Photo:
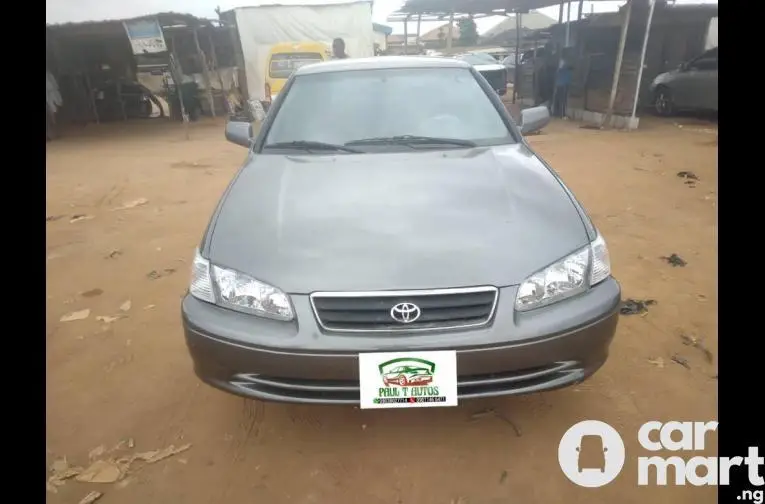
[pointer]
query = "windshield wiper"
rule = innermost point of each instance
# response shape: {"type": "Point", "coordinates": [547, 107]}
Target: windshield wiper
{"type": "Point", "coordinates": [412, 140]}
{"type": "Point", "coordinates": [310, 145]}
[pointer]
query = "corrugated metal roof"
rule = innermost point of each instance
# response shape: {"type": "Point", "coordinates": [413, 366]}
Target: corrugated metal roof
{"type": "Point", "coordinates": [473, 6]}
{"type": "Point", "coordinates": [382, 28]}
{"type": "Point", "coordinates": [165, 18]}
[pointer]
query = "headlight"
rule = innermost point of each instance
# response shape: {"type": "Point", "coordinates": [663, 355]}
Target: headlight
{"type": "Point", "coordinates": [238, 291]}
{"type": "Point", "coordinates": [569, 276]}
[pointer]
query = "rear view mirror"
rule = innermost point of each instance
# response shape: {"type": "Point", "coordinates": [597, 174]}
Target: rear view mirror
{"type": "Point", "coordinates": [239, 132]}
{"type": "Point", "coordinates": [534, 119]}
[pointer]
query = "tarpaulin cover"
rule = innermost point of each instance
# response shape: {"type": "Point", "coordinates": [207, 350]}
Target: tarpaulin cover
{"type": "Point", "coordinates": [262, 27]}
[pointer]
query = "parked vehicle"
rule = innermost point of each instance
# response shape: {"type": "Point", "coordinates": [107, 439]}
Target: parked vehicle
{"type": "Point", "coordinates": [509, 64]}
{"type": "Point", "coordinates": [265, 23]}
{"type": "Point", "coordinates": [286, 57]}
{"type": "Point", "coordinates": [492, 70]}
{"type": "Point", "coordinates": [691, 87]}
{"type": "Point", "coordinates": [420, 190]}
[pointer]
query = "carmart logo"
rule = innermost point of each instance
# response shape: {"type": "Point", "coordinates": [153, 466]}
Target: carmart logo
{"type": "Point", "coordinates": [591, 454]}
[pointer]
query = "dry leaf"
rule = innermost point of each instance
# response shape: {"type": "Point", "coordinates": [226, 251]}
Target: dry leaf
{"type": "Point", "coordinates": [153, 456]}
{"type": "Point", "coordinates": [658, 362]}
{"type": "Point", "coordinates": [126, 305]}
{"type": "Point", "coordinates": [133, 204]}
{"type": "Point", "coordinates": [92, 293]}
{"type": "Point", "coordinates": [59, 466]}
{"type": "Point", "coordinates": [91, 497]}
{"type": "Point", "coordinates": [107, 319]}
{"type": "Point", "coordinates": [101, 471]}
{"type": "Point", "coordinates": [78, 315]}
{"type": "Point", "coordinates": [149, 307]}
{"type": "Point", "coordinates": [79, 217]}
{"type": "Point", "coordinates": [51, 488]}
{"type": "Point", "coordinates": [96, 452]}
{"type": "Point", "coordinates": [62, 471]}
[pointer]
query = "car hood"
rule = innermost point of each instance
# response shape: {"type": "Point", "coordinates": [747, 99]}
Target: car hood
{"type": "Point", "coordinates": [664, 77]}
{"type": "Point", "coordinates": [419, 220]}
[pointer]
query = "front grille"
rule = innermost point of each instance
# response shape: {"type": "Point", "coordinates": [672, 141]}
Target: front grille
{"type": "Point", "coordinates": [427, 310]}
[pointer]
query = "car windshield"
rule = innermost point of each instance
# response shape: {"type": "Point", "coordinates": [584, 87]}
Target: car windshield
{"type": "Point", "coordinates": [283, 64]}
{"type": "Point", "coordinates": [352, 106]}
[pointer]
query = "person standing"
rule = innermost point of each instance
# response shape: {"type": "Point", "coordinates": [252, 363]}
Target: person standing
{"type": "Point", "coordinates": [338, 49]}
{"type": "Point", "coordinates": [53, 102]}
{"type": "Point", "coordinates": [562, 84]}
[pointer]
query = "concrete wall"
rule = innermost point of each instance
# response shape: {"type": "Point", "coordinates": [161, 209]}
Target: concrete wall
{"type": "Point", "coordinates": [381, 40]}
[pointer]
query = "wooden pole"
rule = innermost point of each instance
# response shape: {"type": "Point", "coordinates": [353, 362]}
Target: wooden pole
{"type": "Point", "coordinates": [642, 59]}
{"type": "Point", "coordinates": [406, 35]}
{"type": "Point", "coordinates": [205, 70]}
{"type": "Point", "coordinates": [419, 20]}
{"type": "Point", "coordinates": [534, 78]}
{"type": "Point", "coordinates": [517, 52]}
{"type": "Point", "coordinates": [236, 46]}
{"type": "Point", "coordinates": [557, 64]}
{"type": "Point", "coordinates": [91, 97]}
{"type": "Point", "coordinates": [214, 57]}
{"type": "Point", "coordinates": [568, 25]}
{"type": "Point", "coordinates": [618, 65]}
{"type": "Point", "coordinates": [177, 73]}
{"type": "Point", "coordinates": [450, 35]}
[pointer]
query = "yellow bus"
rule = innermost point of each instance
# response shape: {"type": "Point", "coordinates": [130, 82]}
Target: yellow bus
{"type": "Point", "coordinates": [286, 57]}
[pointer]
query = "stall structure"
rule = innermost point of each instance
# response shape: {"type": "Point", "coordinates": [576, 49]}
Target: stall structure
{"type": "Point", "coordinates": [454, 10]}
{"type": "Point", "coordinates": [617, 55]}
{"type": "Point", "coordinates": [615, 61]}
{"type": "Point", "coordinates": [116, 70]}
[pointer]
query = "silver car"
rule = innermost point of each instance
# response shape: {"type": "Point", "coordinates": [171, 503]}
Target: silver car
{"type": "Point", "coordinates": [691, 87]}
{"type": "Point", "coordinates": [390, 204]}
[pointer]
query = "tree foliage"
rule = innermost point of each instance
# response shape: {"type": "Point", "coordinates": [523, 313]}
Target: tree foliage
{"type": "Point", "coordinates": [468, 31]}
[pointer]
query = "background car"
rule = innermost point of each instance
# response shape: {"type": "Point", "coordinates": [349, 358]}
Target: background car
{"type": "Point", "coordinates": [509, 63]}
{"type": "Point", "coordinates": [691, 87]}
{"type": "Point", "coordinates": [492, 70]}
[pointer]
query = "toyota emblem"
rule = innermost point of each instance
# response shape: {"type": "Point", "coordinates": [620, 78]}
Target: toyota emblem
{"type": "Point", "coordinates": [405, 313]}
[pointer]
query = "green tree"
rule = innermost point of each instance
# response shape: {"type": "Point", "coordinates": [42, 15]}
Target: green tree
{"type": "Point", "coordinates": [468, 31]}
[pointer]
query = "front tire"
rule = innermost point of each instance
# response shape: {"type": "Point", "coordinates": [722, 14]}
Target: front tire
{"type": "Point", "coordinates": [663, 103]}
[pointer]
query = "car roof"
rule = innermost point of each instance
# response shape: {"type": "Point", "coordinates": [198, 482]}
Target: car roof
{"type": "Point", "coordinates": [380, 63]}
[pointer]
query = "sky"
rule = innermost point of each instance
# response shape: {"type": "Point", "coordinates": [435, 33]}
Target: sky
{"type": "Point", "coordinates": [65, 11]}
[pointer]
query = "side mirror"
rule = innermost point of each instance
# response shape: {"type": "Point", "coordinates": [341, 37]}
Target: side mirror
{"type": "Point", "coordinates": [534, 119]}
{"type": "Point", "coordinates": [239, 132]}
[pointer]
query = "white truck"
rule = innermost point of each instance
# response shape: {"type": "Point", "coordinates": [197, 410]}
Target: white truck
{"type": "Point", "coordinates": [270, 22]}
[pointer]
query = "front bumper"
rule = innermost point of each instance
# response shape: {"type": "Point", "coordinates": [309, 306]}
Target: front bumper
{"type": "Point", "coordinates": [518, 353]}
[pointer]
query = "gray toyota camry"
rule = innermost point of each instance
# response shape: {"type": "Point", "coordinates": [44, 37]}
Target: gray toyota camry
{"type": "Point", "coordinates": [392, 241]}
